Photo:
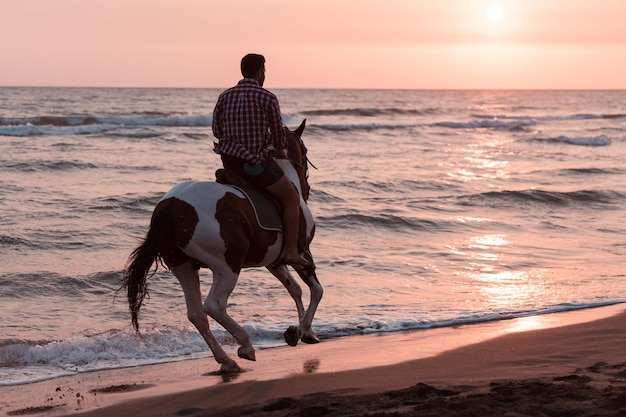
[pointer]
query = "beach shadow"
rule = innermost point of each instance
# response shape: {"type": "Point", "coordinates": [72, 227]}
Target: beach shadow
{"type": "Point", "coordinates": [311, 366]}
{"type": "Point", "coordinates": [189, 411]}
{"type": "Point", "coordinates": [226, 376]}
{"type": "Point", "coordinates": [120, 388]}
{"type": "Point", "coordinates": [33, 410]}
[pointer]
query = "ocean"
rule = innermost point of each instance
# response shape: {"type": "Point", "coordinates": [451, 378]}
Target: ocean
{"type": "Point", "coordinates": [433, 209]}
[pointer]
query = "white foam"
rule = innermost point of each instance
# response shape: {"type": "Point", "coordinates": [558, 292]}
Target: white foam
{"type": "Point", "coordinates": [602, 140]}
{"type": "Point", "coordinates": [587, 141]}
{"type": "Point", "coordinates": [489, 123]}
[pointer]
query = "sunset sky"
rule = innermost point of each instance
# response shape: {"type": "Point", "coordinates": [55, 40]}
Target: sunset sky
{"type": "Point", "coordinates": [417, 44]}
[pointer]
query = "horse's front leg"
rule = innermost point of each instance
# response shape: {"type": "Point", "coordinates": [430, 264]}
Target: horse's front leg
{"type": "Point", "coordinates": [291, 285]}
{"type": "Point", "coordinates": [190, 282]}
{"type": "Point", "coordinates": [224, 281]}
{"type": "Point", "coordinates": [307, 274]}
{"type": "Point", "coordinates": [305, 331]}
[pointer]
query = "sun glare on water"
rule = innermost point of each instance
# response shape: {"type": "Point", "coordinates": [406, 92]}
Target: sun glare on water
{"type": "Point", "coordinates": [494, 12]}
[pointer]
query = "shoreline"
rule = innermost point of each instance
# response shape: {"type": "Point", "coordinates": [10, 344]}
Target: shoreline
{"type": "Point", "coordinates": [475, 356]}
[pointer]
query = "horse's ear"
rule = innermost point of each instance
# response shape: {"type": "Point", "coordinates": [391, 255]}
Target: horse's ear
{"type": "Point", "coordinates": [300, 128]}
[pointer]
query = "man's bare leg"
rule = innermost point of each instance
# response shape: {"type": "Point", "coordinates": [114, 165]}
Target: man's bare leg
{"type": "Point", "coordinates": [289, 199]}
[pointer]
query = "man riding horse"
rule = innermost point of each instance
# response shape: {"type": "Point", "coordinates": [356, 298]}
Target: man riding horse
{"type": "Point", "coordinates": [204, 224]}
{"type": "Point", "coordinates": [246, 120]}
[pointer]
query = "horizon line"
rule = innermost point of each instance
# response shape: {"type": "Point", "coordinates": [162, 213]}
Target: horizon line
{"type": "Point", "coordinates": [326, 88]}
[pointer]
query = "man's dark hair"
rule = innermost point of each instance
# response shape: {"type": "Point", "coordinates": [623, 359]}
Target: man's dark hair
{"type": "Point", "coordinates": [251, 64]}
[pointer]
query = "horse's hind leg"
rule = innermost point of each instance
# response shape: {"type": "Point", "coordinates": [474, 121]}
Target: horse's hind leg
{"type": "Point", "coordinates": [190, 282]}
{"type": "Point", "coordinates": [224, 281]}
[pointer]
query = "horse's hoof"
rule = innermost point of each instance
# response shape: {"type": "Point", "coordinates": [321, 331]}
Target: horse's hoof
{"type": "Point", "coordinates": [291, 336]}
{"type": "Point", "coordinates": [230, 367]}
{"type": "Point", "coordinates": [246, 353]}
{"type": "Point", "coordinates": [311, 340]}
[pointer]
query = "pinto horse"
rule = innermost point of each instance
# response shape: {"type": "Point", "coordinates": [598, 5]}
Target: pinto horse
{"type": "Point", "coordinates": [212, 225]}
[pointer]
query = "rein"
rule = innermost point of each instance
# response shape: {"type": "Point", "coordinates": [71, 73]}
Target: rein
{"type": "Point", "coordinates": [304, 166]}
{"type": "Point", "coordinates": [295, 146]}
{"type": "Point", "coordinates": [307, 161]}
{"type": "Point", "coordinates": [304, 151]}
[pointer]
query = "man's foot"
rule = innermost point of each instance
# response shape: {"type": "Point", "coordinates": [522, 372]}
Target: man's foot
{"type": "Point", "coordinates": [297, 260]}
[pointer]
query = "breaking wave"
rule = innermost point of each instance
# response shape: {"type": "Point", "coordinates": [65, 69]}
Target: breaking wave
{"type": "Point", "coordinates": [84, 125]}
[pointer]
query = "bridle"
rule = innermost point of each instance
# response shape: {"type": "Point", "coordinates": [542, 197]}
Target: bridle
{"type": "Point", "coordinates": [303, 165]}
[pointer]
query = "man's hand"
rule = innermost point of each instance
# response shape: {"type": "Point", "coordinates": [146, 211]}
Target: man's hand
{"type": "Point", "coordinates": [280, 154]}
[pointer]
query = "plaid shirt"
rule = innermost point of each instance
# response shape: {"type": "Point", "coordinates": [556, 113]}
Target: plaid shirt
{"type": "Point", "coordinates": [246, 120]}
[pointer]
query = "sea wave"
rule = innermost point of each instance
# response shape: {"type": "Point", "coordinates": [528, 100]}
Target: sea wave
{"type": "Point", "coordinates": [138, 125]}
{"type": "Point", "coordinates": [495, 123]}
{"type": "Point", "coordinates": [83, 125]}
{"type": "Point", "coordinates": [371, 112]}
{"type": "Point", "coordinates": [601, 140]}
{"type": "Point", "coordinates": [62, 165]}
{"type": "Point", "coordinates": [135, 203]}
{"type": "Point", "coordinates": [590, 171]}
{"type": "Point", "coordinates": [43, 165]}
{"type": "Point", "coordinates": [24, 361]}
{"type": "Point", "coordinates": [591, 198]}
{"type": "Point", "coordinates": [517, 122]}
{"type": "Point", "coordinates": [386, 221]}
{"type": "Point", "coordinates": [6, 240]}
{"type": "Point", "coordinates": [549, 118]}
{"type": "Point", "coordinates": [339, 127]}
{"type": "Point", "coordinates": [49, 284]}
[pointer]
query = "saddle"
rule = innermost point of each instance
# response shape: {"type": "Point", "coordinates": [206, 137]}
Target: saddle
{"type": "Point", "coordinates": [266, 209]}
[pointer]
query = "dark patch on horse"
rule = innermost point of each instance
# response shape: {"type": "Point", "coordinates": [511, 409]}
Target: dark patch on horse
{"type": "Point", "coordinates": [181, 220]}
{"type": "Point", "coordinates": [246, 243]}
{"type": "Point", "coordinates": [303, 240]}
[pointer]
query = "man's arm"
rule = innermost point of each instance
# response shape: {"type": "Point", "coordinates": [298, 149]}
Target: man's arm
{"type": "Point", "coordinates": [216, 126]}
{"type": "Point", "coordinates": [279, 140]}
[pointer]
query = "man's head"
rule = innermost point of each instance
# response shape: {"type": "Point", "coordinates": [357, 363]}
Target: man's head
{"type": "Point", "coordinates": [253, 66]}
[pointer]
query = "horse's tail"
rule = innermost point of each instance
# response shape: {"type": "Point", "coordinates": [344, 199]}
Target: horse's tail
{"type": "Point", "coordinates": [140, 261]}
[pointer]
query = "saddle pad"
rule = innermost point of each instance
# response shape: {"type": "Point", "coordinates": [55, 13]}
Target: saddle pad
{"type": "Point", "coordinates": [265, 212]}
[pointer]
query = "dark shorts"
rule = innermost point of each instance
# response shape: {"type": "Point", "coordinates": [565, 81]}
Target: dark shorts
{"type": "Point", "coordinates": [262, 175]}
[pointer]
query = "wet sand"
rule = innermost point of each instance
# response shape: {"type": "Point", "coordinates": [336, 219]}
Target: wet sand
{"type": "Point", "coordinates": [558, 364]}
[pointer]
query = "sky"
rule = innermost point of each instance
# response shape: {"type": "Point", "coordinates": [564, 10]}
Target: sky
{"type": "Point", "coordinates": [399, 44]}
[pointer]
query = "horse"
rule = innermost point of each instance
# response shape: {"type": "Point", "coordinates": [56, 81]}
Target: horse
{"type": "Point", "coordinates": [212, 225]}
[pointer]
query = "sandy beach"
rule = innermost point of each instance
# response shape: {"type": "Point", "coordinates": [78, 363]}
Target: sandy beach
{"type": "Point", "coordinates": [557, 364]}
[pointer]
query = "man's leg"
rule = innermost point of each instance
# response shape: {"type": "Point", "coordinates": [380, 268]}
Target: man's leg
{"type": "Point", "coordinates": [284, 191]}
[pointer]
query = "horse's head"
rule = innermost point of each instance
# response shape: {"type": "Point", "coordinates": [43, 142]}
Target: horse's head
{"type": "Point", "coordinates": [296, 151]}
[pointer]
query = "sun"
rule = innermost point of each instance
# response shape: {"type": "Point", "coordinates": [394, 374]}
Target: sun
{"type": "Point", "coordinates": [494, 12]}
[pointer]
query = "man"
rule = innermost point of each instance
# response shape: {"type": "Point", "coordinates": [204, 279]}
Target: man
{"type": "Point", "coordinates": [246, 120]}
